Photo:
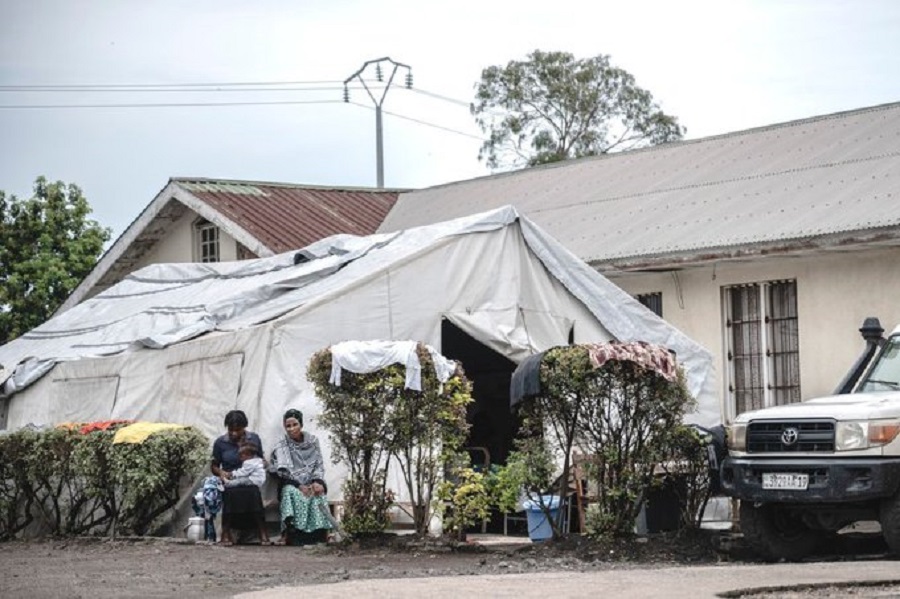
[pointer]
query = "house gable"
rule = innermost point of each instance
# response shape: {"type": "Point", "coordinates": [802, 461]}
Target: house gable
{"type": "Point", "coordinates": [255, 219]}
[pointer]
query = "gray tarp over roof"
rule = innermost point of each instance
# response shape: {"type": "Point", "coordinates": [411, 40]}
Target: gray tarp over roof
{"type": "Point", "coordinates": [166, 305]}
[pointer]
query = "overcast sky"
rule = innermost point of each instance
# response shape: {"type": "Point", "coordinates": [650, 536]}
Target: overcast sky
{"type": "Point", "coordinates": [718, 65]}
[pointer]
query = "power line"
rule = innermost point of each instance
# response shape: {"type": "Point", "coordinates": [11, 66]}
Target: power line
{"type": "Point", "coordinates": [244, 86]}
{"type": "Point", "coordinates": [91, 86]}
{"type": "Point", "coordinates": [168, 105]}
{"type": "Point", "coordinates": [178, 90]}
{"type": "Point", "coordinates": [421, 122]}
{"type": "Point", "coordinates": [439, 97]}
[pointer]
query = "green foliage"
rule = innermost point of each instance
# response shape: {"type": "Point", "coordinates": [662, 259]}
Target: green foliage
{"type": "Point", "coordinates": [469, 498]}
{"type": "Point", "coordinates": [47, 246]}
{"type": "Point", "coordinates": [552, 106]}
{"type": "Point", "coordinates": [627, 424]}
{"type": "Point", "coordinates": [620, 415]}
{"type": "Point", "coordinates": [373, 419]}
{"type": "Point", "coordinates": [367, 505]}
{"type": "Point", "coordinates": [148, 475]}
{"type": "Point", "coordinates": [77, 483]}
{"type": "Point", "coordinates": [16, 489]}
{"type": "Point", "coordinates": [529, 470]}
{"type": "Point", "coordinates": [686, 466]}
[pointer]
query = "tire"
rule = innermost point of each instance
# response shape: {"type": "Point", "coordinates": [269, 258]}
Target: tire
{"type": "Point", "coordinates": [775, 533]}
{"type": "Point", "coordinates": [889, 518]}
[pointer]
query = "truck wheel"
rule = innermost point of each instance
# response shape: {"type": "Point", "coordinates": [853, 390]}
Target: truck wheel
{"type": "Point", "coordinates": [775, 533]}
{"type": "Point", "coordinates": [890, 522]}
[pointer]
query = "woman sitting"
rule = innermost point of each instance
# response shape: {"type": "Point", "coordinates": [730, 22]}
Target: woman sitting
{"type": "Point", "coordinates": [297, 462]}
{"type": "Point", "coordinates": [242, 506]}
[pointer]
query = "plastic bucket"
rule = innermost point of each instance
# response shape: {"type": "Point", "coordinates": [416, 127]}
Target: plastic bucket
{"type": "Point", "coordinates": [539, 528]}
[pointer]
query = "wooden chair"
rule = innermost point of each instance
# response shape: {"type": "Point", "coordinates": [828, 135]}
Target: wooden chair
{"type": "Point", "coordinates": [583, 491]}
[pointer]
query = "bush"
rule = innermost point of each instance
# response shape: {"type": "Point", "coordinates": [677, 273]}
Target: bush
{"type": "Point", "coordinates": [466, 500]}
{"type": "Point", "coordinates": [687, 465]}
{"type": "Point", "coordinates": [619, 414]}
{"type": "Point", "coordinates": [75, 484]}
{"type": "Point", "coordinates": [627, 424]}
{"type": "Point", "coordinates": [373, 419]}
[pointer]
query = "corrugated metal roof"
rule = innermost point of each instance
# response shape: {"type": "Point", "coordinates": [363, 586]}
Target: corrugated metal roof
{"type": "Point", "coordinates": [792, 182]}
{"type": "Point", "coordinates": [285, 217]}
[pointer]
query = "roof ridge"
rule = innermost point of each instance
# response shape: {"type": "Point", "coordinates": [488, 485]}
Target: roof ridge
{"type": "Point", "coordinates": [212, 180]}
{"type": "Point", "coordinates": [672, 144]}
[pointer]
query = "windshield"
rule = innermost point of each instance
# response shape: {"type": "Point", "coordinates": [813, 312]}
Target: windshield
{"type": "Point", "coordinates": [885, 373]}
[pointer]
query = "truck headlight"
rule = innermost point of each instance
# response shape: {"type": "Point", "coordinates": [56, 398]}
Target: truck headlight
{"type": "Point", "coordinates": [862, 435]}
{"type": "Point", "coordinates": [737, 437]}
{"type": "Point", "coordinates": [850, 435]}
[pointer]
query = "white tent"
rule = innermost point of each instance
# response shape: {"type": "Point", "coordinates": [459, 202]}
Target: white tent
{"type": "Point", "coordinates": [188, 342]}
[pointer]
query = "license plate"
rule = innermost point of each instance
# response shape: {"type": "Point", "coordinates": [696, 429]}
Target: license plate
{"type": "Point", "coordinates": [785, 480]}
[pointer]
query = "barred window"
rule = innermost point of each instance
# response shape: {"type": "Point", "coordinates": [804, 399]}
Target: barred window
{"type": "Point", "coordinates": [653, 302]}
{"type": "Point", "coordinates": [206, 237]}
{"type": "Point", "coordinates": [763, 350]}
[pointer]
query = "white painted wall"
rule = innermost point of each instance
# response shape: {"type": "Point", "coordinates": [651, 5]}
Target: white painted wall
{"type": "Point", "coordinates": [178, 245]}
{"type": "Point", "coordinates": [836, 291]}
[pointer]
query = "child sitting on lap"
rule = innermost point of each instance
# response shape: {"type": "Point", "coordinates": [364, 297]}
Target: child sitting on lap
{"type": "Point", "coordinates": [251, 472]}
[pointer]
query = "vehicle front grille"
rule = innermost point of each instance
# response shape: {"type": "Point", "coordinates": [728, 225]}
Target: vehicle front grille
{"type": "Point", "coordinates": [770, 436]}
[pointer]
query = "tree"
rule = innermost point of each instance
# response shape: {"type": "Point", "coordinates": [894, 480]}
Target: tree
{"type": "Point", "coordinates": [48, 246]}
{"type": "Point", "coordinates": [552, 106]}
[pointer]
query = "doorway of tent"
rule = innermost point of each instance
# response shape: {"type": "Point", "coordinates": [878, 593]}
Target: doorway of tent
{"type": "Point", "coordinates": [492, 425]}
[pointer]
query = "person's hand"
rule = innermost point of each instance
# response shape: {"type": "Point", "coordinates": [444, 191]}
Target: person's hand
{"type": "Point", "coordinates": [305, 490]}
{"type": "Point", "coordinates": [317, 489]}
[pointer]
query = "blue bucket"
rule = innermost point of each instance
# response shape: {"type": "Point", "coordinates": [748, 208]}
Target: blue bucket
{"type": "Point", "coordinates": [539, 528]}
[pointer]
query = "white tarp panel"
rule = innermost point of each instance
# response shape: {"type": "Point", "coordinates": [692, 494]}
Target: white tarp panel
{"type": "Point", "coordinates": [201, 387]}
{"type": "Point", "coordinates": [84, 399]}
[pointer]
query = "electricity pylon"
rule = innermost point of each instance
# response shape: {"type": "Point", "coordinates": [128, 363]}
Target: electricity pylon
{"type": "Point", "coordinates": [379, 76]}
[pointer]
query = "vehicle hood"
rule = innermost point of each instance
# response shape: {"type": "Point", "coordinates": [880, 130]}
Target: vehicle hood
{"type": "Point", "coordinates": [855, 406]}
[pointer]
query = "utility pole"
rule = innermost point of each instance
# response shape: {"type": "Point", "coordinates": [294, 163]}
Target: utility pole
{"type": "Point", "coordinates": [379, 76]}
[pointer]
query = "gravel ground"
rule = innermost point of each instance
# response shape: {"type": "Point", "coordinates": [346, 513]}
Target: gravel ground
{"type": "Point", "coordinates": [104, 569]}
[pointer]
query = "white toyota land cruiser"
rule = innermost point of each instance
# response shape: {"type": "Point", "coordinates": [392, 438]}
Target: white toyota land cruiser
{"type": "Point", "coordinates": [804, 471]}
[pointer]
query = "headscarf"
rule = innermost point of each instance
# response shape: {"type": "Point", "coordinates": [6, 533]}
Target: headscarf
{"type": "Point", "coordinates": [300, 460]}
{"type": "Point", "coordinates": [293, 413]}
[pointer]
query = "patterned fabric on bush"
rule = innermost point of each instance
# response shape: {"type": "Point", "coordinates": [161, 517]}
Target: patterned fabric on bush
{"type": "Point", "coordinates": [102, 425]}
{"type": "Point", "coordinates": [652, 357]}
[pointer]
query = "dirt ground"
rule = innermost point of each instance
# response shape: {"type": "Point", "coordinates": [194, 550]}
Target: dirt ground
{"type": "Point", "coordinates": [148, 567]}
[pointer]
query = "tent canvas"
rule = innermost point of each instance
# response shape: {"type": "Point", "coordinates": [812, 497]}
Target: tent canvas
{"type": "Point", "coordinates": [188, 342]}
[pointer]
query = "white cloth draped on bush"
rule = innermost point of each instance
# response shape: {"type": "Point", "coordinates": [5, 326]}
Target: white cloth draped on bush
{"type": "Point", "coordinates": [369, 356]}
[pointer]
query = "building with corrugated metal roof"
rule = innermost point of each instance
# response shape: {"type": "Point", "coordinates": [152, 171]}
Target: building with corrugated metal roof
{"type": "Point", "coordinates": [213, 220]}
{"type": "Point", "coordinates": [769, 246]}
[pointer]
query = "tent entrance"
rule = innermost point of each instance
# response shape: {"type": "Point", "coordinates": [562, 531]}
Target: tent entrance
{"type": "Point", "coordinates": [492, 425]}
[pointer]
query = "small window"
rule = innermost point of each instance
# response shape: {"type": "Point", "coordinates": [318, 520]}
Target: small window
{"type": "Point", "coordinates": [245, 254]}
{"type": "Point", "coordinates": [206, 235]}
{"type": "Point", "coordinates": [653, 302]}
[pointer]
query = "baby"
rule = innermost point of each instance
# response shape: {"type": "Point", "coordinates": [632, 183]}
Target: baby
{"type": "Point", "coordinates": [251, 472]}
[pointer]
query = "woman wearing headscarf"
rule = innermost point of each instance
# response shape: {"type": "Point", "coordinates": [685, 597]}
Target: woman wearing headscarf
{"type": "Point", "coordinates": [297, 462]}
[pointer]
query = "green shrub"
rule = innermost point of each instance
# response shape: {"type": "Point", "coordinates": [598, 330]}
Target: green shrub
{"type": "Point", "coordinates": [76, 484]}
{"type": "Point", "coordinates": [686, 465]}
{"type": "Point", "coordinates": [16, 491]}
{"type": "Point", "coordinates": [619, 415]}
{"type": "Point", "coordinates": [373, 419]}
{"type": "Point", "coordinates": [148, 475]}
